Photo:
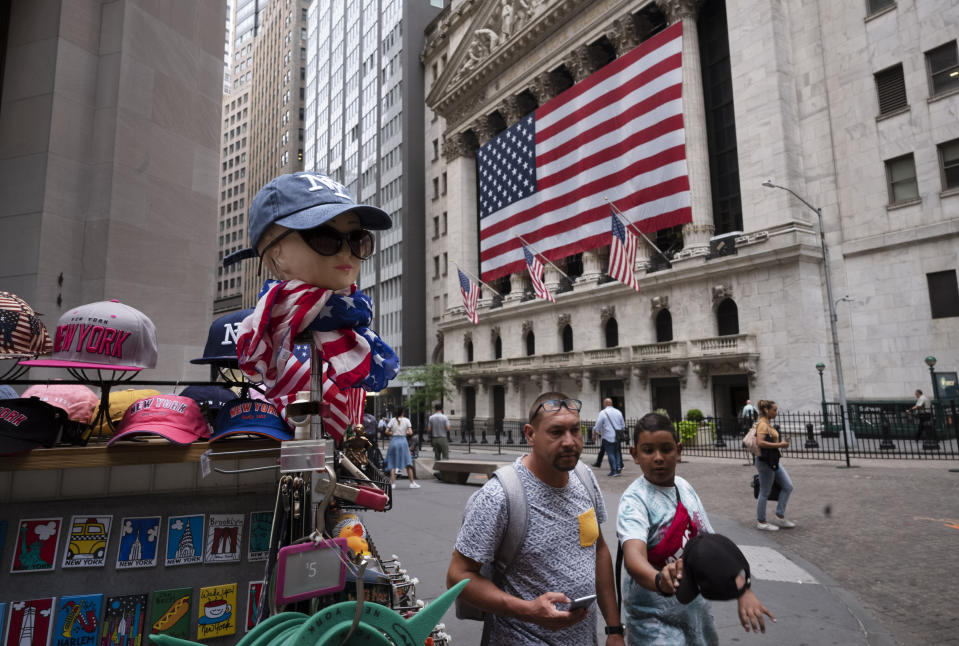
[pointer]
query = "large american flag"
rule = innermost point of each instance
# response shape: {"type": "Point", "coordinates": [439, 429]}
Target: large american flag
{"type": "Point", "coordinates": [470, 291]}
{"type": "Point", "coordinates": [618, 134]}
{"type": "Point", "coordinates": [622, 254]}
{"type": "Point", "coordinates": [535, 267]}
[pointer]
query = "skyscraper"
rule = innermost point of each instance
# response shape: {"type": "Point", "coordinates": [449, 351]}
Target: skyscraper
{"type": "Point", "coordinates": [363, 127]}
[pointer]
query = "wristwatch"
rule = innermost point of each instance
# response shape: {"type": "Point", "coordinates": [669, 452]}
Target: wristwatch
{"type": "Point", "coordinates": [614, 630]}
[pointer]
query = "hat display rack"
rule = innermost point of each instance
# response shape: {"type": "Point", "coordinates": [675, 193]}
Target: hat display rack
{"type": "Point", "coordinates": [309, 506]}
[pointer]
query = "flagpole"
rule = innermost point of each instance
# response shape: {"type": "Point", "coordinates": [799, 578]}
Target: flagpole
{"type": "Point", "coordinates": [632, 226]}
{"type": "Point", "coordinates": [544, 258]}
{"type": "Point", "coordinates": [478, 280]}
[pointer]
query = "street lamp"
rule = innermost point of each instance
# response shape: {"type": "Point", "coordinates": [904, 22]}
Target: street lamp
{"type": "Point", "coordinates": [931, 362]}
{"type": "Point", "coordinates": [822, 392]}
{"type": "Point", "coordinates": [931, 443]}
{"type": "Point", "coordinates": [847, 434]}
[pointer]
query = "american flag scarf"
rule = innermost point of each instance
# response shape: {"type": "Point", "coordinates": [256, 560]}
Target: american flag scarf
{"type": "Point", "coordinates": [354, 356]}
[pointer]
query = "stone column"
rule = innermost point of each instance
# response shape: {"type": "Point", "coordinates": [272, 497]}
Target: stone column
{"type": "Point", "coordinates": [515, 287]}
{"type": "Point", "coordinates": [550, 279]}
{"type": "Point", "coordinates": [624, 34]}
{"type": "Point", "coordinates": [459, 150]}
{"type": "Point", "coordinates": [697, 233]}
{"type": "Point", "coordinates": [592, 267]}
{"type": "Point", "coordinates": [582, 61]}
{"type": "Point", "coordinates": [545, 87]}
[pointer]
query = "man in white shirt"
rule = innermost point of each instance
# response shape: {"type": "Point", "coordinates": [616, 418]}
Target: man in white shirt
{"type": "Point", "coordinates": [923, 410]}
{"type": "Point", "coordinates": [609, 423]}
{"type": "Point", "coordinates": [439, 433]}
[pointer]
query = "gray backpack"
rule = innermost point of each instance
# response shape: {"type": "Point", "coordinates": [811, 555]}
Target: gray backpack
{"type": "Point", "coordinates": [516, 525]}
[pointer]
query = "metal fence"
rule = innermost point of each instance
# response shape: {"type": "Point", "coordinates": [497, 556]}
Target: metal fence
{"type": "Point", "coordinates": [875, 432]}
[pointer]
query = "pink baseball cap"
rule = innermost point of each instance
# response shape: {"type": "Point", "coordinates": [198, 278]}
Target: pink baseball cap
{"type": "Point", "coordinates": [106, 335]}
{"type": "Point", "coordinates": [173, 417]}
{"type": "Point", "coordinates": [79, 401]}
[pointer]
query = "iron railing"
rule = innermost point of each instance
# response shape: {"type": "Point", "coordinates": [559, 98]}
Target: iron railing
{"type": "Point", "coordinates": [876, 432]}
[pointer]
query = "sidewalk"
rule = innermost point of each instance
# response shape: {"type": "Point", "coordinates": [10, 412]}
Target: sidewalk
{"type": "Point", "coordinates": [855, 576]}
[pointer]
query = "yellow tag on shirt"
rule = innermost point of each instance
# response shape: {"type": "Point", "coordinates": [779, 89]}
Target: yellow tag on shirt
{"type": "Point", "coordinates": [588, 528]}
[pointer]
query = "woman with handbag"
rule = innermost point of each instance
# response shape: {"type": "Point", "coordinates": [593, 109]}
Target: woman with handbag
{"type": "Point", "coordinates": [770, 470]}
{"type": "Point", "coordinates": [398, 453]}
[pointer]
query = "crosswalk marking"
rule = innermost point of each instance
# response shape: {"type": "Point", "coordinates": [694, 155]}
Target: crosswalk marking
{"type": "Point", "coordinates": [767, 564]}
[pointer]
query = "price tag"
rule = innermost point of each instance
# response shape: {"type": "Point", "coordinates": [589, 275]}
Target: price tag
{"type": "Point", "coordinates": [307, 570]}
{"type": "Point", "coordinates": [205, 468]}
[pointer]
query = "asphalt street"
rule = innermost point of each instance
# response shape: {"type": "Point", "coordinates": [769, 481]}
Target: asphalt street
{"type": "Point", "coordinates": [873, 560]}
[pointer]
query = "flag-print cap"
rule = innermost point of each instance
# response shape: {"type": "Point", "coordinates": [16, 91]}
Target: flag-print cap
{"type": "Point", "coordinates": [106, 335]}
{"type": "Point", "coordinates": [26, 424]}
{"type": "Point", "coordinates": [302, 201]}
{"type": "Point", "coordinates": [220, 346]}
{"type": "Point", "coordinates": [22, 333]}
{"type": "Point", "coordinates": [172, 417]}
{"type": "Point", "coordinates": [250, 417]}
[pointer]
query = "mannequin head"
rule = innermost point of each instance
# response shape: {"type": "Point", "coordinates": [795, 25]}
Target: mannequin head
{"type": "Point", "coordinates": [288, 256]}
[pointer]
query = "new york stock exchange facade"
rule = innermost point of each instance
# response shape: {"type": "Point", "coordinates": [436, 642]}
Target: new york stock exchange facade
{"type": "Point", "coordinates": [738, 308]}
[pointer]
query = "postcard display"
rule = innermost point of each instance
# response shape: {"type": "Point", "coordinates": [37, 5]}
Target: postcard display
{"type": "Point", "coordinates": [110, 571]}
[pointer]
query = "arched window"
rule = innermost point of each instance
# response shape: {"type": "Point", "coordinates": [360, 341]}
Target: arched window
{"type": "Point", "coordinates": [727, 317]}
{"type": "Point", "coordinates": [568, 338]}
{"type": "Point", "coordinates": [612, 333]}
{"type": "Point", "coordinates": [469, 351]}
{"type": "Point", "coordinates": [498, 348]}
{"type": "Point", "coordinates": [664, 326]}
{"type": "Point", "coordinates": [530, 344]}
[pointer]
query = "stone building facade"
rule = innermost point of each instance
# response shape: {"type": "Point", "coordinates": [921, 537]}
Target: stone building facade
{"type": "Point", "coordinates": [851, 105]}
{"type": "Point", "coordinates": [109, 141]}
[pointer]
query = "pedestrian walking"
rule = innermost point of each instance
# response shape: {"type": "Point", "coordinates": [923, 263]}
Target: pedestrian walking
{"type": "Point", "coordinates": [439, 433]}
{"type": "Point", "coordinates": [560, 555]}
{"type": "Point", "coordinates": [399, 429]}
{"type": "Point", "coordinates": [660, 515]}
{"type": "Point", "coordinates": [610, 424]}
{"type": "Point", "coordinates": [923, 411]}
{"type": "Point", "coordinates": [770, 469]}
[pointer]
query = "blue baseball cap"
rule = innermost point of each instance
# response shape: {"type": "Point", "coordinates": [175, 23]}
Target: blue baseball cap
{"type": "Point", "coordinates": [221, 340]}
{"type": "Point", "coordinates": [250, 417]}
{"type": "Point", "coordinates": [303, 201]}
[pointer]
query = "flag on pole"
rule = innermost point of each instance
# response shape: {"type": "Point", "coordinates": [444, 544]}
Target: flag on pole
{"type": "Point", "coordinates": [622, 254]}
{"type": "Point", "coordinates": [470, 291]}
{"type": "Point", "coordinates": [357, 400]}
{"type": "Point", "coordinates": [535, 268]}
{"type": "Point", "coordinates": [616, 134]}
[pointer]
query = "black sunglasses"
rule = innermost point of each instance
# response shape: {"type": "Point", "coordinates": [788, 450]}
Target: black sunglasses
{"type": "Point", "coordinates": [553, 405]}
{"type": "Point", "coordinates": [327, 241]}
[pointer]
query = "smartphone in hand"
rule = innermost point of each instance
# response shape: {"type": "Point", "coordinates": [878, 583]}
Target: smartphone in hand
{"type": "Point", "coordinates": [582, 602]}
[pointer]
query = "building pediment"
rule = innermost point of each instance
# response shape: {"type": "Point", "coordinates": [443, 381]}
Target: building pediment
{"type": "Point", "coordinates": [497, 34]}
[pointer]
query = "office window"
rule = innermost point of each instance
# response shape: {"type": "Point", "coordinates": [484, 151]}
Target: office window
{"type": "Point", "coordinates": [891, 89]}
{"type": "Point", "coordinates": [943, 65]}
{"type": "Point", "coordinates": [436, 149]}
{"type": "Point", "coordinates": [436, 187]}
{"type": "Point", "coordinates": [901, 179]}
{"type": "Point", "coordinates": [727, 318]}
{"type": "Point", "coordinates": [949, 164]}
{"type": "Point", "coordinates": [436, 227]}
{"type": "Point", "coordinates": [664, 326]}
{"type": "Point", "coordinates": [943, 294]}
{"type": "Point", "coordinates": [436, 267]}
{"type": "Point", "coordinates": [567, 335]}
{"type": "Point", "coordinates": [444, 183]}
{"type": "Point", "coordinates": [875, 6]}
{"type": "Point", "coordinates": [445, 263]}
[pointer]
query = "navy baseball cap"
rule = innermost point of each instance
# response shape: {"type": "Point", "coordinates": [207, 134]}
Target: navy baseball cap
{"type": "Point", "coordinates": [221, 340]}
{"type": "Point", "coordinates": [711, 563]}
{"type": "Point", "coordinates": [26, 424]}
{"type": "Point", "coordinates": [250, 417]}
{"type": "Point", "coordinates": [303, 201]}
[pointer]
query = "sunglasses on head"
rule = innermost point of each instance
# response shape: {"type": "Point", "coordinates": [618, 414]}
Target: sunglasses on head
{"type": "Point", "coordinates": [553, 405]}
{"type": "Point", "coordinates": [327, 241]}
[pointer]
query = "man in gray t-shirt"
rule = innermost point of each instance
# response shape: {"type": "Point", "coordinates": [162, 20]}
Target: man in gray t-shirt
{"type": "Point", "coordinates": [563, 556]}
{"type": "Point", "coordinates": [439, 431]}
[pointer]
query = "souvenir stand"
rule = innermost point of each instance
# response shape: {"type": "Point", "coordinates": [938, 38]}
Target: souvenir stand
{"type": "Point", "coordinates": [223, 539]}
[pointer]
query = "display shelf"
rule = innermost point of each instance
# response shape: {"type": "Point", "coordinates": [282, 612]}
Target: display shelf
{"type": "Point", "coordinates": [146, 452]}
